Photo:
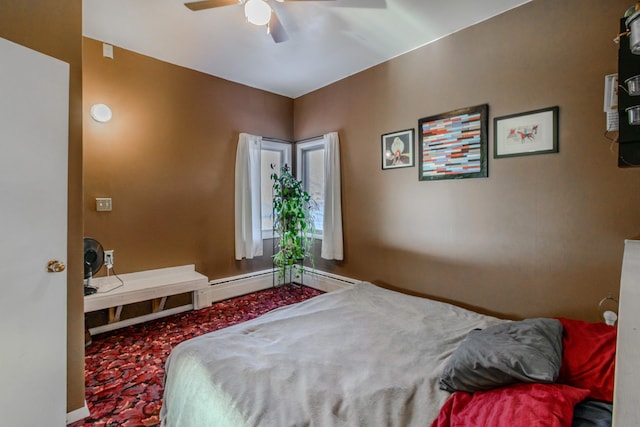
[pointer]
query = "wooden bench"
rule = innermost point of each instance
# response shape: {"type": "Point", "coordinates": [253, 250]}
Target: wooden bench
{"type": "Point", "coordinates": [153, 285]}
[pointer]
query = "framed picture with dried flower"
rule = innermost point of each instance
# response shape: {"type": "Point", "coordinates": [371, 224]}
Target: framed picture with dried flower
{"type": "Point", "coordinates": [397, 149]}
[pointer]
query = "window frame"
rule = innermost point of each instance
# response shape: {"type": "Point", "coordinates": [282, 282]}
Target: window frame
{"type": "Point", "coordinates": [302, 147]}
{"type": "Point", "coordinates": [286, 153]}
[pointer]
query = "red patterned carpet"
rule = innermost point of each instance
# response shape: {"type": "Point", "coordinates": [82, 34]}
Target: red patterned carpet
{"type": "Point", "coordinates": [124, 368]}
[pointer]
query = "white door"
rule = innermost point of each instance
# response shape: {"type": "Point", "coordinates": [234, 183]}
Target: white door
{"type": "Point", "coordinates": [34, 106]}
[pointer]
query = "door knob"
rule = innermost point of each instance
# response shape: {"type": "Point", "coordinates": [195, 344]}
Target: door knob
{"type": "Point", "coordinates": [55, 266]}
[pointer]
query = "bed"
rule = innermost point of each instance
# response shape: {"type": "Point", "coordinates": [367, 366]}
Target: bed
{"type": "Point", "coordinates": [368, 356]}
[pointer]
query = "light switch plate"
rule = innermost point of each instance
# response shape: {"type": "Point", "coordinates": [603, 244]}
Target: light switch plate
{"type": "Point", "coordinates": [103, 204]}
{"type": "Point", "coordinates": [107, 50]}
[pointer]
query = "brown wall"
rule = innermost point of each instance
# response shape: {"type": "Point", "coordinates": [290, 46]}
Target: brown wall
{"type": "Point", "coordinates": [55, 28]}
{"type": "Point", "coordinates": [167, 160]}
{"type": "Point", "coordinates": [542, 235]}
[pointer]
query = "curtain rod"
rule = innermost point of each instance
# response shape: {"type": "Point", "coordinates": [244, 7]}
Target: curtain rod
{"type": "Point", "coordinates": [290, 142]}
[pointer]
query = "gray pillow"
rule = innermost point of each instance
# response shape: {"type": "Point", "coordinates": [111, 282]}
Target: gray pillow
{"type": "Point", "coordinates": [525, 351]}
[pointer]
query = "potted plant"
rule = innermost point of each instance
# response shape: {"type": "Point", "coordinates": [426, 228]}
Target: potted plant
{"type": "Point", "coordinates": [293, 225]}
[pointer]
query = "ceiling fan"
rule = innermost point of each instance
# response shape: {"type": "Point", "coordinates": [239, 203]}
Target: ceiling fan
{"type": "Point", "coordinates": [258, 12]}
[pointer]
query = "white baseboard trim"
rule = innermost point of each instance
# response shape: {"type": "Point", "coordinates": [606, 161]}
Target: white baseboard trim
{"type": "Point", "coordinates": [78, 414]}
{"type": "Point", "coordinates": [221, 289]}
{"type": "Point", "coordinates": [327, 282]}
{"type": "Point", "coordinates": [229, 287]}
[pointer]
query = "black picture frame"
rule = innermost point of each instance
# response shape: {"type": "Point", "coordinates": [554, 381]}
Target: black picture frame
{"type": "Point", "coordinates": [398, 149]}
{"type": "Point", "coordinates": [454, 145]}
{"type": "Point", "coordinates": [525, 134]}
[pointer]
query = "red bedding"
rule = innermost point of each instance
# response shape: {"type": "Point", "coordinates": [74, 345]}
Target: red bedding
{"type": "Point", "coordinates": [587, 354]}
{"type": "Point", "coordinates": [589, 357]}
{"type": "Point", "coordinates": [518, 405]}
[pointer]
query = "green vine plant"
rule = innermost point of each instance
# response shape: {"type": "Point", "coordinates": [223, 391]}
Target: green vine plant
{"type": "Point", "coordinates": [293, 224]}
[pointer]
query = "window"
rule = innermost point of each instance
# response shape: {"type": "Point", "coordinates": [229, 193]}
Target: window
{"type": "Point", "coordinates": [310, 162]}
{"type": "Point", "coordinates": [277, 154]}
{"type": "Point", "coordinates": [318, 167]}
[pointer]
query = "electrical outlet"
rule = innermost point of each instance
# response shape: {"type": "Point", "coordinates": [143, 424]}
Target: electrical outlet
{"type": "Point", "coordinates": [108, 258]}
{"type": "Point", "coordinates": [103, 204]}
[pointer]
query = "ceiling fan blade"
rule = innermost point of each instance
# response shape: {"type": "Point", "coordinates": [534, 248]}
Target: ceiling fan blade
{"type": "Point", "coordinates": [276, 29]}
{"type": "Point", "coordinates": [208, 4]}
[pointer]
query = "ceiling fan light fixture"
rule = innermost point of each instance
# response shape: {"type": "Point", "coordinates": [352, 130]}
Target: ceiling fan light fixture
{"type": "Point", "coordinates": [257, 12]}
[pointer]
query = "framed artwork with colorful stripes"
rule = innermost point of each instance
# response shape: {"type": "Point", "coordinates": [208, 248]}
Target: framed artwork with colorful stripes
{"type": "Point", "coordinates": [454, 145]}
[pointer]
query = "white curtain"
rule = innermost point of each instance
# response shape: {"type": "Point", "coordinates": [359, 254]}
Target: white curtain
{"type": "Point", "coordinates": [332, 224]}
{"type": "Point", "coordinates": [248, 227]}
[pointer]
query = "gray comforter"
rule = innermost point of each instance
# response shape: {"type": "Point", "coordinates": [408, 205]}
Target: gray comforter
{"type": "Point", "coordinates": [362, 356]}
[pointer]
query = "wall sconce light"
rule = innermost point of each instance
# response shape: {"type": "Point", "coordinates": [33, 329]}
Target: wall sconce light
{"type": "Point", "coordinates": [101, 113]}
{"type": "Point", "coordinates": [257, 12]}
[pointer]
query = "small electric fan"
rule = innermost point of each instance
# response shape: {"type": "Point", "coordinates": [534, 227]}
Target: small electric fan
{"type": "Point", "coordinates": [93, 260]}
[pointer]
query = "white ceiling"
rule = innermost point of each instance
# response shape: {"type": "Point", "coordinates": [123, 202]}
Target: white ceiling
{"type": "Point", "coordinates": [329, 40]}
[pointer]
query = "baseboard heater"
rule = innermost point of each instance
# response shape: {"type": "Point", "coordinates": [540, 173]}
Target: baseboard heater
{"type": "Point", "coordinates": [225, 288]}
{"type": "Point", "coordinates": [221, 289]}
